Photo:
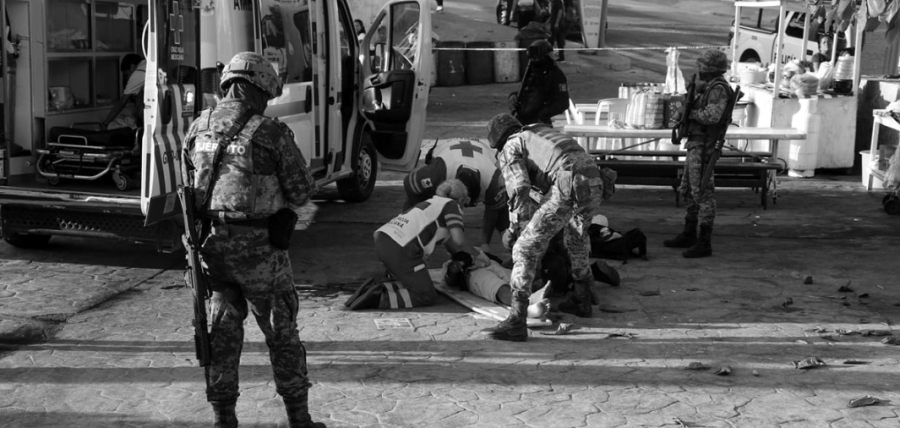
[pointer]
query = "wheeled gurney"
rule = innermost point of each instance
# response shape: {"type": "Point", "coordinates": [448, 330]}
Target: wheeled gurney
{"type": "Point", "coordinates": [78, 153]}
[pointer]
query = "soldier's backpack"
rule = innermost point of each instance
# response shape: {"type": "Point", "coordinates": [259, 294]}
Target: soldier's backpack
{"type": "Point", "coordinates": [621, 248]}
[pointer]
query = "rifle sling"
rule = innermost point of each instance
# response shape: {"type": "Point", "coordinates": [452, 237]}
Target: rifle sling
{"type": "Point", "coordinates": [223, 142]}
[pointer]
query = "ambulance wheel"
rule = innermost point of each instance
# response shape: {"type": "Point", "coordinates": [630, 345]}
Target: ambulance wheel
{"type": "Point", "coordinates": [53, 181]}
{"type": "Point", "coordinates": [28, 241]}
{"type": "Point", "coordinates": [359, 186]}
{"type": "Point", "coordinates": [892, 206]}
{"type": "Point", "coordinates": [123, 181]}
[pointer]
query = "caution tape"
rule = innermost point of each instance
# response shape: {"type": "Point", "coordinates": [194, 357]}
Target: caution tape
{"type": "Point", "coordinates": [651, 48]}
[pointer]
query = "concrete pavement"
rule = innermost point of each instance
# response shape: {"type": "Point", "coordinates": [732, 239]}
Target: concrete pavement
{"type": "Point", "coordinates": [129, 360]}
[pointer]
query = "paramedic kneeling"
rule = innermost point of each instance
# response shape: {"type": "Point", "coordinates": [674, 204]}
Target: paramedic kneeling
{"type": "Point", "coordinates": [403, 244]}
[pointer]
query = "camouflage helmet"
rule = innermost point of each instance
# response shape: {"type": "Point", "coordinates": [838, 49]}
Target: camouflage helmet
{"type": "Point", "coordinates": [539, 49]}
{"type": "Point", "coordinates": [500, 128]}
{"type": "Point", "coordinates": [712, 61]}
{"type": "Point", "coordinates": [253, 68]}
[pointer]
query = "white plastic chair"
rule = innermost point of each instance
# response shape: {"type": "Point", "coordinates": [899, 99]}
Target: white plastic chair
{"type": "Point", "coordinates": [615, 109]}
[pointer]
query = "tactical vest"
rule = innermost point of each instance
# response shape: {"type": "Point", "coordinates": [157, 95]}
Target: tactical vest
{"type": "Point", "coordinates": [239, 192]}
{"type": "Point", "coordinates": [548, 151]}
{"type": "Point", "coordinates": [698, 131]}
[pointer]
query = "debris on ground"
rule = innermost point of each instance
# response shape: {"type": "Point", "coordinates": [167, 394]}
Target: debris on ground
{"type": "Point", "coordinates": [877, 333]}
{"type": "Point", "coordinates": [755, 373]}
{"type": "Point", "coordinates": [696, 365]}
{"type": "Point", "coordinates": [693, 289]}
{"type": "Point", "coordinates": [845, 288]}
{"type": "Point", "coordinates": [845, 332]}
{"type": "Point", "coordinates": [855, 362]}
{"type": "Point", "coordinates": [787, 302]}
{"type": "Point", "coordinates": [862, 295]}
{"type": "Point", "coordinates": [723, 371]}
{"type": "Point", "coordinates": [808, 363]}
{"type": "Point", "coordinates": [829, 338]}
{"type": "Point", "coordinates": [817, 330]}
{"type": "Point", "coordinates": [891, 340]}
{"type": "Point", "coordinates": [868, 400]}
{"type": "Point", "coordinates": [625, 335]}
{"type": "Point", "coordinates": [563, 329]}
{"type": "Point", "coordinates": [647, 293]}
{"type": "Point", "coordinates": [808, 280]}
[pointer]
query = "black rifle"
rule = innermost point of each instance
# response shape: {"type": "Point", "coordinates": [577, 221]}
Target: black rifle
{"type": "Point", "coordinates": [518, 104]}
{"type": "Point", "coordinates": [193, 230]}
{"type": "Point", "coordinates": [682, 128]}
{"type": "Point", "coordinates": [194, 233]}
{"type": "Point", "coordinates": [719, 137]}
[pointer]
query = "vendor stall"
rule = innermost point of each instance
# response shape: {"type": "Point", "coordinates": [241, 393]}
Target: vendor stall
{"type": "Point", "coordinates": [828, 116]}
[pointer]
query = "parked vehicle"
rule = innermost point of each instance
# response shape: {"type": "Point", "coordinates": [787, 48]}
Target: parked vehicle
{"type": "Point", "coordinates": [759, 32]}
{"type": "Point", "coordinates": [348, 113]}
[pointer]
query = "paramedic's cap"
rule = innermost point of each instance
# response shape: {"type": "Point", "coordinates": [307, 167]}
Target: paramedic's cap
{"type": "Point", "coordinates": [253, 68]}
{"type": "Point", "coordinates": [712, 61]}
{"type": "Point", "coordinates": [472, 180]}
{"type": "Point", "coordinates": [600, 220]}
{"type": "Point", "coordinates": [500, 128]}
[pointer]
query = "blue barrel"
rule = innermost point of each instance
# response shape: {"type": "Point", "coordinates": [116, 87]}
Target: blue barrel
{"type": "Point", "coordinates": [480, 70]}
{"type": "Point", "coordinates": [451, 64]}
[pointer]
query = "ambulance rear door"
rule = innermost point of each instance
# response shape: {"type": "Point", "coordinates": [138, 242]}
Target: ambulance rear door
{"type": "Point", "coordinates": [396, 67]}
{"type": "Point", "coordinates": [172, 54]}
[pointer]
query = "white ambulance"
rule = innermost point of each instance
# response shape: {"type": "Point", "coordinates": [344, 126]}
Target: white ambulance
{"type": "Point", "coordinates": [352, 107]}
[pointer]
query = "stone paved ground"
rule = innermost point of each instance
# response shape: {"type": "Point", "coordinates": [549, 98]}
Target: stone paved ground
{"type": "Point", "coordinates": [129, 360]}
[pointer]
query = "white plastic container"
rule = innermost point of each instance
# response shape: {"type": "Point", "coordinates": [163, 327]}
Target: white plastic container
{"type": "Point", "coordinates": [804, 154]}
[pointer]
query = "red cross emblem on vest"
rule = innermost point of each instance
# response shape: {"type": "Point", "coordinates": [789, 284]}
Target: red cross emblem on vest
{"type": "Point", "coordinates": [467, 148]}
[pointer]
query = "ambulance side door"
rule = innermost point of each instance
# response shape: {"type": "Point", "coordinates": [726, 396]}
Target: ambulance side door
{"type": "Point", "coordinates": [289, 39]}
{"type": "Point", "coordinates": [396, 66]}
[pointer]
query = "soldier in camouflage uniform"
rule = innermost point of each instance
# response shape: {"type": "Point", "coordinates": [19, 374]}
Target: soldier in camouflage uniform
{"type": "Point", "coordinates": [261, 171]}
{"type": "Point", "coordinates": [710, 102]}
{"type": "Point", "coordinates": [539, 157]}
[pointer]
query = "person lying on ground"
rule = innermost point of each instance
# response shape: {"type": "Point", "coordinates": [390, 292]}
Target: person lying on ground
{"type": "Point", "coordinates": [490, 282]}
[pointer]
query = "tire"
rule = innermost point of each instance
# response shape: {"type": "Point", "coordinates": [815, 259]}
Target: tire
{"type": "Point", "coordinates": [28, 241]}
{"type": "Point", "coordinates": [359, 186]}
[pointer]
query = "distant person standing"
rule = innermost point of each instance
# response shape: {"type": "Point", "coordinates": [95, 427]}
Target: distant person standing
{"type": "Point", "coordinates": [559, 25]}
{"type": "Point", "coordinates": [128, 111]}
{"type": "Point", "coordinates": [544, 91]}
{"type": "Point", "coordinates": [711, 98]}
{"type": "Point", "coordinates": [360, 30]}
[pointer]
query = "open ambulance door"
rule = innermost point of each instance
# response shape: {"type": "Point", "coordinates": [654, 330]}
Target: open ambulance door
{"type": "Point", "coordinates": [171, 51]}
{"type": "Point", "coordinates": [285, 38]}
{"type": "Point", "coordinates": [396, 67]}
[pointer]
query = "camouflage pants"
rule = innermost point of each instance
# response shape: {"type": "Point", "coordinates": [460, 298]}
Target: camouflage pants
{"type": "Point", "coordinates": [563, 210]}
{"type": "Point", "coordinates": [699, 205]}
{"type": "Point", "coordinates": [242, 267]}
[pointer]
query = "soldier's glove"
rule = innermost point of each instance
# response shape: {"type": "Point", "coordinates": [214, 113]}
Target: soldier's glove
{"type": "Point", "coordinates": [512, 102]}
{"type": "Point", "coordinates": [509, 238]}
{"type": "Point", "coordinates": [281, 227]}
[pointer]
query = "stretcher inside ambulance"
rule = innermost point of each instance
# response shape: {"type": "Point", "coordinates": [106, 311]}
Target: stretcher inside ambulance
{"type": "Point", "coordinates": [63, 174]}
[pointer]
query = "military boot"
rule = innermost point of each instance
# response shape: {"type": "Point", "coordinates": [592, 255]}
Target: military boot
{"type": "Point", "coordinates": [298, 413]}
{"type": "Point", "coordinates": [225, 415]}
{"type": "Point", "coordinates": [514, 327]}
{"type": "Point", "coordinates": [703, 247]}
{"type": "Point", "coordinates": [580, 304]}
{"type": "Point", "coordinates": [686, 239]}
